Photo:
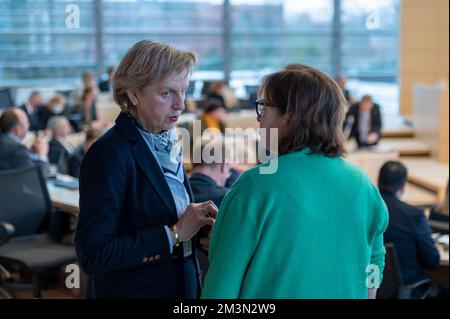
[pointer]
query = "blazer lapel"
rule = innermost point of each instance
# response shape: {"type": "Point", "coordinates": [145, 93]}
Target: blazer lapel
{"type": "Point", "coordinates": [187, 185]}
{"type": "Point", "coordinates": [153, 172]}
{"type": "Point", "coordinates": [148, 163]}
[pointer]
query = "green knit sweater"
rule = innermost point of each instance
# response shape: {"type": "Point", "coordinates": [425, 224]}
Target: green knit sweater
{"type": "Point", "coordinates": [314, 229]}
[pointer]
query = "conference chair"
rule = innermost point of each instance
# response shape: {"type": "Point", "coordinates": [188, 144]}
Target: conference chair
{"type": "Point", "coordinates": [392, 286]}
{"type": "Point", "coordinates": [26, 248]}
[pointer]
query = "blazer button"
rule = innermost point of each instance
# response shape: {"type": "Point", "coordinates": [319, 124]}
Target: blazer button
{"type": "Point", "coordinates": [157, 257]}
{"type": "Point", "coordinates": [151, 259]}
{"type": "Point", "coordinates": [145, 260]}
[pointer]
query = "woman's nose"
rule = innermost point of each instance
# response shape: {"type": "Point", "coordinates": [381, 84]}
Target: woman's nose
{"type": "Point", "coordinates": [179, 104]}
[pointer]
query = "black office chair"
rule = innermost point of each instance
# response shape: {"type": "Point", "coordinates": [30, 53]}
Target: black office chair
{"type": "Point", "coordinates": [393, 286]}
{"type": "Point", "coordinates": [206, 88]}
{"type": "Point", "coordinates": [24, 207]}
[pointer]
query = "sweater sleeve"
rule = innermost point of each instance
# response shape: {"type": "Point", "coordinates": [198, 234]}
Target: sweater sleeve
{"type": "Point", "coordinates": [381, 221]}
{"type": "Point", "coordinates": [233, 242]}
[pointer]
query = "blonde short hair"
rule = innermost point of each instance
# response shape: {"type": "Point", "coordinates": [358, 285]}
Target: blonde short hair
{"type": "Point", "coordinates": [146, 63]}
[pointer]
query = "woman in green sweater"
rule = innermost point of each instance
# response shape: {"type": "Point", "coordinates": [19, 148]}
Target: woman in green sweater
{"type": "Point", "coordinates": [314, 227]}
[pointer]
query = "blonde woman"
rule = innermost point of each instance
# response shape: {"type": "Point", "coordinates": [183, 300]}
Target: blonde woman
{"type": "Point", "coordinates": [136, 223]}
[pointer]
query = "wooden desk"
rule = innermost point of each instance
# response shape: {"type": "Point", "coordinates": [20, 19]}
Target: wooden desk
{"type": "Point", "coordinates": [396, 126]}
{"type": "Point", "coordinates": [64, 199]}
{"type": "Point", "coordinates": [405, 146]}
{"type": "Point", "coordinates": [418, 196]}
{"type": "Point", "coordinates": [371, 162]}
{"type": "Point", "coordinates": [428, 173]}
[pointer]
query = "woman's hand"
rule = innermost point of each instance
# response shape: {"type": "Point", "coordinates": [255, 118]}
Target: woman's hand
{"type": "Point", "coordinates": [195, 217]}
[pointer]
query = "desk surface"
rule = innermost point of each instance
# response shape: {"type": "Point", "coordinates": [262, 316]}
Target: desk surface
{"type": "Point", "coordinates": [396, 126]}
{"type": "Point", "coordinates": [428, 173]}
{"type": "Point", "coordinates": [404, 146]}
{"type": "Point", "coordinates": [418, 196]}
{"type": "Point", "coordinates": [371, 162]}
{"type": "Point", "coordinates": [63, 198]}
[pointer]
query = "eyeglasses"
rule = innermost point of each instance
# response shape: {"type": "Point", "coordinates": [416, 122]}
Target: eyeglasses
{"type": "Point", "coordinates": [260, 106]}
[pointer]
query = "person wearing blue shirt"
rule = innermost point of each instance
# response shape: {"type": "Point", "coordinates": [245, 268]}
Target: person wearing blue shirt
{"type": "Point", "coordinates": [14, 127]}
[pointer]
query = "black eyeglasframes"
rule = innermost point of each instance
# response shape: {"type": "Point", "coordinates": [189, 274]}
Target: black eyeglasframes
{"type": "Point", "coordinates": [260, 106]}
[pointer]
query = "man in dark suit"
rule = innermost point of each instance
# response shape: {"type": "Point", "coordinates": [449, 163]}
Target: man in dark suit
{"type": "Point", "coordinates": [408, 229]}
{"type": "Point", "coordinates": [106, 85]}
{"type": "Point", "coordinates": [364, 119]}
{"type": "Point", "coordinates": [207, 181]}
{"type": "Point", "coordinates": [75, 159]}
{"type": "Point", "coordinates": [59, 146]}
{"type": "Point", "coordinates": [13, 154]}
{"type": "Point", "coordinates": [30, 107]}
{"type": "Point", "coordinates": [342, 81]}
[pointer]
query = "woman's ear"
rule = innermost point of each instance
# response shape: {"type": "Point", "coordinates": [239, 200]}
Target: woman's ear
{"type": "Point", "coordinates": [133, 96]}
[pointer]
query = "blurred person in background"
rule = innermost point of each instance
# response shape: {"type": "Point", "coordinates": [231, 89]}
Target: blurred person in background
{"type": "Point", "coordinates": [30, 107]}
{"type": "Point", "coordinates": [342, 81]}
{"type": "Point", "coordinates": [408, 229]}
{"type": "Point", "coordinates": [74, 162]}
{"type": "Point", "coordinates": [14, 127]}
{"type": "Point", "coordinates": [85, 110]}
{"type": "Point", "coordinates": [364, 119]}
{"type": "Point", "coordinates": [60, 147]}
{"type": "Point", "coordinates": [216, 92]}
{"type": "Point", "coordinates": [55, 106]}
{"type": "Point", "coordinates": [208, 177]}
{"type": "Point", "coordinates": [106, 85]}
{"type": "Point", "coordinates": [213, 116]}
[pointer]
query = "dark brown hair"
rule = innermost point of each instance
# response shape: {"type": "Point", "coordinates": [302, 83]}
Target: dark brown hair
{"type": "Point", "coordinates": [313, 105]}
{"type": "Point", "coordinates": [8, 120]}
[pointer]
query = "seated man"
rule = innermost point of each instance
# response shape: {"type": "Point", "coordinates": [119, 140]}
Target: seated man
{"type": "Point", "coordinates": [74, 163]}
{"type": "Point", "coordinates": [408, 229]}
{"type": "Point", "coordinates": [208, 180]}
{"type": "Point", "coordinates": [59, 147]}
{"type": "Point", "coordinates": [14, 126]}
{"type": "Point", "coordinates": [364, 119]}
{"type": "Point", "coordinates": [342, 81]}
{"type": "Point", "coordinates": [106, 85]}
{"type": "Point", "coordinates": [30, 107]}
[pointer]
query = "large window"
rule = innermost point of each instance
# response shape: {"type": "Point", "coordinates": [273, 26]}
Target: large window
{"type": "Point", "coordinates": [370, 49]}
{"type": "Point", "coordinates": [270, 34]}
{"type": "Point", "coordinates": [240, 40]}
{"type": "Point", "coordinates": [193, 25]}
{"type": "Point", "coordinates": [36, 44]}
{"type": "Point", "coordinates": [370, 38]}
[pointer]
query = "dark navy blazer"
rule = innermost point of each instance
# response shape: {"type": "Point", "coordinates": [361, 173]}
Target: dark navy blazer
{"type": "Point", "coordinates": [125, 202]}
{"type": "Point", "coordinates": [408, 230]}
